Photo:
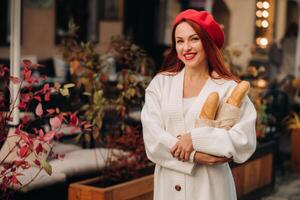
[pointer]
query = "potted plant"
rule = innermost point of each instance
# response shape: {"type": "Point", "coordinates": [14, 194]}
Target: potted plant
{"type": "Point", "coordinates": [294, 124]}
{"type": "Point", "coordinates": [112, 104]}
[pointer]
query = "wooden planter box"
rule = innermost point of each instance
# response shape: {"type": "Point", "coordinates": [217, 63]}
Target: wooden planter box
{"type": "Point", "coordinates": [253, 175]}
{"type": "Point", "coordinates": [257, 174]}
{"type": "Point", "coordinates": [137, 189]}
{"type": "Point", "coordinates": [251, 178]}
{"type": "Point", "coordinates": [295, 150]}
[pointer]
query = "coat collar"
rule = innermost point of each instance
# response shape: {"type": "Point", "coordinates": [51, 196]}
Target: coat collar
{"type": "Point", "coordinates": [196, 107]}
{"type": "Point", "coordinates": [177, 101]}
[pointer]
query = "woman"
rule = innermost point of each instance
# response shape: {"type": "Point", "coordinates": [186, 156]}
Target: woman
{"type": "Point", "coordinates": [192, 163]}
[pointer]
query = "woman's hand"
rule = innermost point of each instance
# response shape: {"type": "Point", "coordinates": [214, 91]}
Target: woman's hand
{"type": "Point", "coordinates": [206, 159]}
{"type": "Point", "coordinates": [183, 148]}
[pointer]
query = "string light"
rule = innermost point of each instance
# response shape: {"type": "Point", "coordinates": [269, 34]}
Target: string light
{"type": "Point", "coordinates": [265, 24]}
{"type": "Point", "coordinates": [258, 41]}
{"type": "Point", "coordinates": [259, 13]}
{"type": "Point", "coordinates": [262, 22]}
{"type": "Point", "coordinates": [258, 23]}
{"type": "Point", "coordinates": [264, 41]}
{"type": "Point", "coordinates": [265, 5]}
{"type": "Point", "coordinates": [259, 4]}
{"type": "Point", "coordinates": [265, 14]}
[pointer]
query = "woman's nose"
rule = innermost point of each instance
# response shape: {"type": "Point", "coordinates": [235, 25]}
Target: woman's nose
{"type": "Point", "coordinates": [187, 46]}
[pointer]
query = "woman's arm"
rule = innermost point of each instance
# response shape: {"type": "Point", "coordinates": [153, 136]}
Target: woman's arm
{"type": "Point", "coordinates": [239, 142]}
{"type": "Point", "coordinates": [206, 159]}
{"type": "Point", "coordinates": [158, 142]}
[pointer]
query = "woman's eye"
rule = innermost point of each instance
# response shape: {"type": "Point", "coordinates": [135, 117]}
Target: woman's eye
{"type": "Point", "coordinates": [179, 41]}
{"type": "Point", "coordinates": [195, 39]}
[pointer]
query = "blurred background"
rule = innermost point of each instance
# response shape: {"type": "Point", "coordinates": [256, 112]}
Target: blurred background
{"type": "Point", "coordinates": [110, 50]}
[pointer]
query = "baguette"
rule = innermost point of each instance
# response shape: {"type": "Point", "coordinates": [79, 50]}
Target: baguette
{"type": "Point", "coordinates": [210, 107]}
{"type": "Point", "coordinates": [238, 93]}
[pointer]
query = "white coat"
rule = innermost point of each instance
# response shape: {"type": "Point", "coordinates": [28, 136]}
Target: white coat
{"type": "Point", "coordinates": [162, 119]}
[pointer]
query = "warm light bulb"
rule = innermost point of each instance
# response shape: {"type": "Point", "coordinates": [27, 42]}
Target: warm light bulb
{"type": "Point", "coordinates": [258, 40]}
{"type": "Point", "coordinates": [265, 5]}
{"type": "Point", "coordinates": [264, 41]}
{"type": "Point", "coordinates": [258, 23]}
{"type": "Point", "coordinates": [259, 4]}
{"type": "Point", "coordinates": [265, 14]}
{"type": "Point", "coordinates": [265, 24]}
{"type": "Point", "coordinates": [259, 13]}
{"type": "Point", "coordinates": [262, 83]}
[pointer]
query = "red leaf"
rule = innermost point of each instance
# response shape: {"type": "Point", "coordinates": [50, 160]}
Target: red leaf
{"type": "Point", "coordinates": [35, 79]}
{"type": "Point", "coordinates": [14, 180]}
{"type": "Point", "coordinates": [46, 88]}
{"type": "Point", "coordinates": [18, 163]}
{"type": "Point", "coordinates": [26, 63]}
{"type": "Point", "coordinates": [15, 80]}
{"type": "Point", "coordinates": [25, 165]}
{"type": "Point", "coordinates": [61, 156]}
{"type": "Point", "coordinates": [25, 119]}
{"type": "Point", "coordinates": [7, 165]}
{"type": "Point", "coordinates": [74, 120]}
{"type": "Point", "coordinates": [49, 136]}
{"type": "Point", "coordinates": [22, 105]}
{"type": "Point", "coordinates": [25, 97]}
{"type": "Point", "coordinates": [37, 162]}
{"type": "Point", "coordinates": [47, 96]}
{"type": "Point", "coordinates": [50, 111]}
{"type": "Point", "coordinates": [41, 133]}
{"type": "Point", "coordinates": [27, 75]}
{"type": "Point", "coordinates": [23, 151]}
{"type": "Point", "coordinates": [38, 98]}
{"type": "Point", "coordinates": [43, 77]}
{"type": "Point", "coordinates": [39, 110]}
{"type": "Point", "coordinates": [35, 130]}
{"type": "Point", "coordinates": [39, 148]}
{"type": "Point", "coordinates": [25, 137]}
{"type": "Point", "coordinates": [55, 122]}
{"type": "Point", "coordinates": [3, 70]}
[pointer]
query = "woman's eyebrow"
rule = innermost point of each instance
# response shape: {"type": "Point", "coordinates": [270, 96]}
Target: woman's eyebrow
{"type": "Point", "coordinates": [178, 37]}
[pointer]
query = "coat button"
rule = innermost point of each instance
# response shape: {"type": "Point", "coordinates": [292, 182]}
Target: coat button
{"type": "Point", "coordinates": [177, 187]}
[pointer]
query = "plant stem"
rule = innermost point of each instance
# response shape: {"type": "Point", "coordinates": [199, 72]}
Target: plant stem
{"type": "Point", "coordinates": [10, 151]}
{"type": "Point", "coordinates": [14, 102]}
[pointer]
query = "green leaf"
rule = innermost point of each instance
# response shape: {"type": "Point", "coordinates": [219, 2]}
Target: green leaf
{"type": "Point", "coordinates": [87, 94]}
{"type": "Point", "coordinates": [78, 138]}
{"type": "Point", "coordinates": [64, 92]}
{"type": "Point", "coordinates": [69, 85]}
{"type": "Point", "coordinates": [97, 97]}
{"type": "Point", "coordinates": [46, 166]}
{"type": "Point", "coordinates": [87, 138]}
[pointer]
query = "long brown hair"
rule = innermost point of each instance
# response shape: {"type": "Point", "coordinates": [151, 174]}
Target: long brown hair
{"type": "Point", "coordinates": [214, 56]}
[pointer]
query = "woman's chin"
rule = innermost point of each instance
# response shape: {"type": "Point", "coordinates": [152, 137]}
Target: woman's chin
{"type": "Point", "coordinates": [191, 64]}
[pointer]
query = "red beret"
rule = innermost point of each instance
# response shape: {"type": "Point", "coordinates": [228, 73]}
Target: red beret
{"type": "Point", "coordinates": [206, 21]}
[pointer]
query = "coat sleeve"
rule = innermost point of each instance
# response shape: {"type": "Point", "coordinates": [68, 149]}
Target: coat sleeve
{"type": "Point", "coordinates": [239, 142]}
{"type": "Point", "coordinates": [158, 141]}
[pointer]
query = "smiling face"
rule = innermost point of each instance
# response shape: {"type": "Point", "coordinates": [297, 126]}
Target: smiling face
{"type": "Point", "coordinates": [189, 46]}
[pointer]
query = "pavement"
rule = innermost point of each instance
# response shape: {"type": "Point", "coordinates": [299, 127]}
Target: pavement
{"type": "Point", "coordinates": [287, 187]}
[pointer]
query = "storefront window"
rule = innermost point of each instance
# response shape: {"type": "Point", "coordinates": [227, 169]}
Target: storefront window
{"type": "Point", "coordinates": [4, 23]}
{"type": "Point", "coordinates": [111, 9]}
{"type": "Point", "coordinates": [71, 10]}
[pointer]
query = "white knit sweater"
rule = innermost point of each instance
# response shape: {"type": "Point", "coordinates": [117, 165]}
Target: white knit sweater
{"type": "Point", "coordinates": [163, 119]}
